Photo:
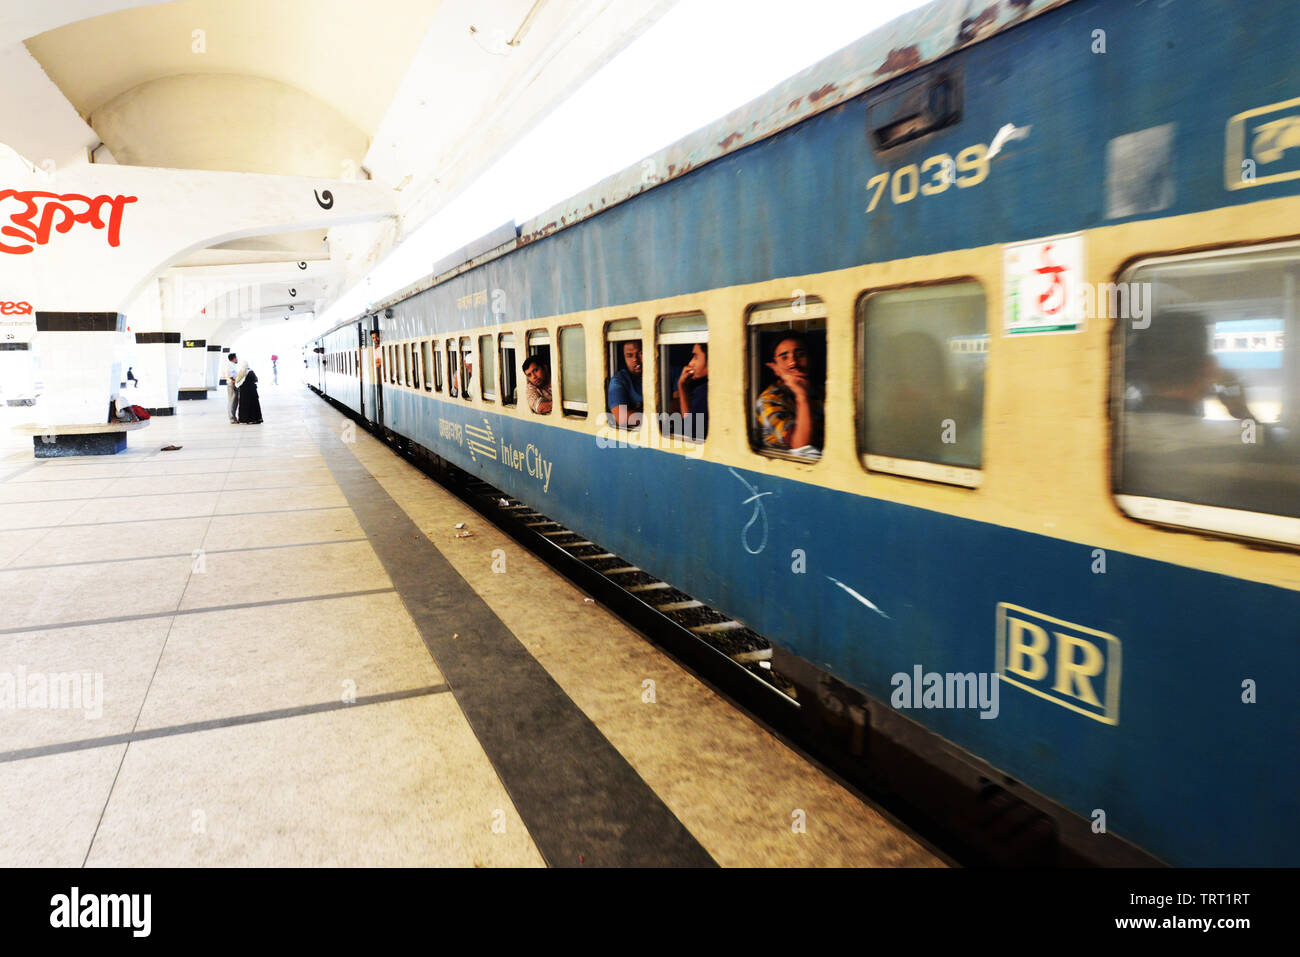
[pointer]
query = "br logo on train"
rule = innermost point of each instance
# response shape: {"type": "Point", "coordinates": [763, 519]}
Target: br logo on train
{"type": "Point", "coordinates": [1076, 667]}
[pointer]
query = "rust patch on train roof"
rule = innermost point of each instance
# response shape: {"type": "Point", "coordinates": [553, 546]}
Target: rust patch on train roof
{"type": "Point", "coordinates": [901, 58]}
{"type": "Point", "coordinates": [972, 27]}
{"type": "Point", "coordinates": [730, 140]}
{"type": "Point", "coordinates": [821, 93]}
{"type": "Point", "coordinates": [794, 104]}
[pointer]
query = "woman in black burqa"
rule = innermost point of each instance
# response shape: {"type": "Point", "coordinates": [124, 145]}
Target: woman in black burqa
{"type": "Point", "coordinates": [250, 407]}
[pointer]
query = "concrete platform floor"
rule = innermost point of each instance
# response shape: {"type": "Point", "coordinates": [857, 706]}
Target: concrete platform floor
{"type": "Point", "coordinates": [244, 676]}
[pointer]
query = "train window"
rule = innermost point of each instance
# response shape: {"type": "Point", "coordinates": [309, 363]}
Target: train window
{"type": "Point", "coordinates": [787, 355]}
{"type": "Point", "coordinates": [573, 370]}
{"type": "Point", "coordinates": [921, 360]}
{"type": "Point", "coordinates": [539, 396]}
{"type": "Point", "coordinates": [417, 367]}
{"type": "Point", "coordinates": [487, 373]}
{"type": "Point", "coordinates": [386, 352]}
{"type": "Point", "coordinates": [624, 399]}
{"type": "Point", "coordinates": [408, 357]}
{"type": "Point", "coordinates": [683, 375]}
{"type": "Point", "coordinates": [426, 365]}
{"type": "Point", "coordinates": [466, 368]}
{"type": "Point", "coordinates": [437, 367]}
{"type": "Point", "coordinates": [1207, 424]}
{"type": "Point", "coordinates": [453, 369]}
{"type": "Point", "coordinates": [508, 380]}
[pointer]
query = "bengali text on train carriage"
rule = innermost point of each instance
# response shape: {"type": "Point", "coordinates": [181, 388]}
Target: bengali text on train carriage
{"type": "Point", "coordinates": [1042, 286]}
{"type": "Point", "coordinates": [34, 215]}
{"type": "Point", "coordinates": [479, 297]}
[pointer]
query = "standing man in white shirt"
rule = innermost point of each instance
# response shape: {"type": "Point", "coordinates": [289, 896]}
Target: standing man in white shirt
{"type": "Point", "coordinates": [232, 390]}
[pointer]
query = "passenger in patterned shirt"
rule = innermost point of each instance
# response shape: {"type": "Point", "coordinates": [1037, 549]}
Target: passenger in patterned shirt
{"type": "Point", "coordinates": [539, 385]}
{"type": "Point", "coordinates": [790, 409]}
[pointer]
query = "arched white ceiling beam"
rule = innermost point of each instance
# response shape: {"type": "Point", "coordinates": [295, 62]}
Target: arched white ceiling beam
{"type": "Point", "coordinates": [244, 124]}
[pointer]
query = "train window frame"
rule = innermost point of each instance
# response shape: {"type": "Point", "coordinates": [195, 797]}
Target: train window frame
{"type": "Point", "coordinates": [388, 365]}
{"type": "Point", "coordinates": [438, 376]}
{"type": "Point", "coordinates": [417, 367]}
{"type": "Point", "coordinates": [466, 349]}
{"type": "Point", "coordinates": [573, 408]}
{"type": "Point", "coordinates": [508, 368]}
{"type": "Point", "coordinates": [538, 342]}
{"type": "Point", "coordinates": [663, 374]}
{"type": "Point", "coordinates": [408, 363]}
{"type": "Point", "coordinates": [960, 476]}
{"type": "Point", "coordinates": [798, 315]}
{"type": "Point", "coordinates": [453, 367]}
{"type": "Point", "coordinates": [425, 364]}
{"type": "Point", "coordinates": [1229, 522]}
{"type": "Point", "coordinates": [487, 377]}
{"type": "Point", "coordinates": [614, 333]}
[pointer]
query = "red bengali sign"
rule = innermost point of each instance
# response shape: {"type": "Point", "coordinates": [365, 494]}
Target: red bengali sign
{"type": "Point", "coordinates": [43, 213]}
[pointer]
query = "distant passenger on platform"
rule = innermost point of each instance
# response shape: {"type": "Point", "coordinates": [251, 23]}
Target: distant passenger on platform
{"type": "Point", "coordinates": [232, 390]}
{"type": "Point", "coordinates": [538, 390]}
{"type": "Point", "coordinates": [790, 409]}
{"type": "Point", "coordinates": [130, 376]}
{"type": "Point", "coordinates": [626, 402]}
{"type": "Point", "coordinates": [693, 393]}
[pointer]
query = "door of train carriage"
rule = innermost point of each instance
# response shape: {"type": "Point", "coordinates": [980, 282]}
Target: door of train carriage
{"type": "Point", "coordinates": [372, 372]}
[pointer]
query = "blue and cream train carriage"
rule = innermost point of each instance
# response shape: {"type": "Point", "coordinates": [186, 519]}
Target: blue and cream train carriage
{"type": "Point", "coordinates": [1045, 261]}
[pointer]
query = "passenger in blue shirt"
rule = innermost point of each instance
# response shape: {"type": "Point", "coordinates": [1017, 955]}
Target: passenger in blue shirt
{"type": "Point", "coordinates": [693, 391]}
{"type": "Point", "coordinates": [625, 400]}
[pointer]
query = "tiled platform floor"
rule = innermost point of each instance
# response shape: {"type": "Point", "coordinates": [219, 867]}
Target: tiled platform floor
{"type": "Point", "coordinates": [268, 699]}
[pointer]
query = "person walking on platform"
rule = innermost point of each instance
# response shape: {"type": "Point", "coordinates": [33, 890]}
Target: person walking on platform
{"type": "Point", "coordinates": [232, 389]}
{"type": "Point", "coordinates": [250, 407]}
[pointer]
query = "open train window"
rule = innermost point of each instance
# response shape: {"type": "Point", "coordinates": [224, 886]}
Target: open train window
{"type": "Point", "coordinates": [426, 365]}
{"type": "Point", "coordinates": [787, 356]}
{"type": "Point", "coordinates": [453, 369]}
{"type": "Point", "coordinates": [922, 354]}
{"type": "Point", "coordinates": [466, 368]}
{"type": "Point", "coordinates": [1206, 392]}
{"type": "Point", "coordinates": [388, 364]}
{"type": "Point", "coordinates": [624, 399]}
{"type": "Point", "coordinates": [683, 375]}
{"type": "Point", "coordinates": [508, 380]}
{"type": "Point", "coordinates": [573, 370]}
{"type": "Point", "coordinates": [437, 366]}
{"type": "Point", "coordinates": [538, 395]}
{"type": "Point", "coordinates": [487, 372]}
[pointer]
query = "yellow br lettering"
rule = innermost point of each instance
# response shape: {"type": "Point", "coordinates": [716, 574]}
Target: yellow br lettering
{"type": "Point", "coordinates": [1069, 664]}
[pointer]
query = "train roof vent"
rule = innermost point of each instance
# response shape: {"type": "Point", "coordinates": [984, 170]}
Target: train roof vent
{"type": "Point", "coordinates": [919, 106]}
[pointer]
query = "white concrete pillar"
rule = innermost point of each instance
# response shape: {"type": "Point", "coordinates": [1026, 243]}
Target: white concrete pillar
{"type": "Point", "coordinates": [80, 365]}
{"type": "Point", "coordinates": [194, 369]}
{"type": "Point", "coordinates": [213, 370]}
{"type": "Point", "coordinates": [158, 357]}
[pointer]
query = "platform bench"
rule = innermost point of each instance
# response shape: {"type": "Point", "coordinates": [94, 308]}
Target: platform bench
{"type": "Point", "coordinates": [57, 441]}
